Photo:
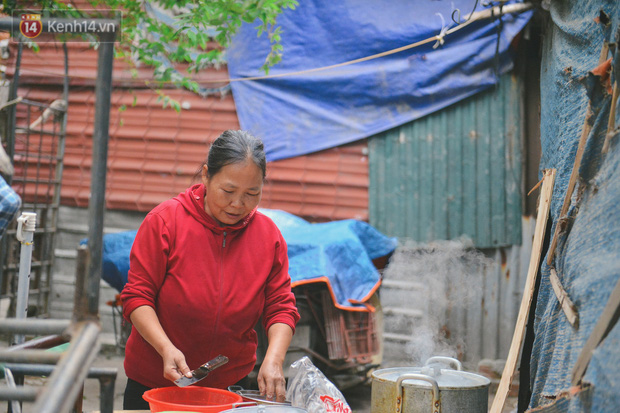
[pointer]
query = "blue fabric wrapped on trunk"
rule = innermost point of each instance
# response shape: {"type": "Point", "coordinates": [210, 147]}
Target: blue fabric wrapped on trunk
{"type": "Point", "coordinates": [587, 256]}
{"type": "Point", "coordinates": [338, 253]}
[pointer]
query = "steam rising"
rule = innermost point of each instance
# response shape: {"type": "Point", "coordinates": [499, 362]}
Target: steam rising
{"type": "Point", "coordinates": [428, 291]}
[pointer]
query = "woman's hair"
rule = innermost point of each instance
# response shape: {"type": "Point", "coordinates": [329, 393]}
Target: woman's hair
{"type": "Point", "coordinates": [235, 146]}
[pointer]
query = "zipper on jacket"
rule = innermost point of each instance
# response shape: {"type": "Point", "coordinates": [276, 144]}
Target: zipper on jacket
{"type": "Point", "coordinates": [220, 294]}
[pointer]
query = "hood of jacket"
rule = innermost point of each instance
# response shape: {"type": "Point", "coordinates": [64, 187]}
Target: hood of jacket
{"type": "Point", "coordinates": [193, 202]}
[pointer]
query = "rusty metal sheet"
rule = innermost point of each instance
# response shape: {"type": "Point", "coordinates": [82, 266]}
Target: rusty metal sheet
{"type": "Point", "coordinates": [154, 153]}
{"type": "Point", "coordinates": [46, 67]}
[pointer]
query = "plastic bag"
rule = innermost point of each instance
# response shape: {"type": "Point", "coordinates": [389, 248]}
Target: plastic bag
{"type": "Point", "coordinates": [309, 389]}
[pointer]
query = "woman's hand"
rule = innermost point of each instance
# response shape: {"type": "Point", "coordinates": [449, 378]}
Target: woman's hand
{"type": "Point", "coordinates": [271, 382]}
{"type": "Point", "coordinates": [145, 320]}
{"type": "Point", "coordinates": [174, 364]}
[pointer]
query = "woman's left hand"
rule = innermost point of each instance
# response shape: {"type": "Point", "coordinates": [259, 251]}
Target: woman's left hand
{"type": "Point", "coordinates": [271, 382]}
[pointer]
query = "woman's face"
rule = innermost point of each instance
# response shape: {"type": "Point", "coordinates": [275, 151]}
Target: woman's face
{"type": "Point", "coordinates": [233, 192]}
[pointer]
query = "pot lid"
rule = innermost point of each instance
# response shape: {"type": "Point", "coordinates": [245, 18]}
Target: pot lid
{"type": "Point", "coordinates": [446, 379]}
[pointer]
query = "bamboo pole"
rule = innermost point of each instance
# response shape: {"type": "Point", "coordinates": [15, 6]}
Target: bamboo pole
{"type": "Point", "coordinates": [532, 272]}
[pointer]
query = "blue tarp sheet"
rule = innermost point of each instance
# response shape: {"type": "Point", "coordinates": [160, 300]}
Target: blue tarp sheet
{"type": "Point", "coordinates": [338, 253]}
{"type": "Point", "coordinates": [587, 259]}
{"type": "Point", "coordinates": [308, 112]}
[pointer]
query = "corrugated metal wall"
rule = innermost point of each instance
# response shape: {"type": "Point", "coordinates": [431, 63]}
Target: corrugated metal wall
{"type": "Point", "coordinates": [154, 152]}
{"type": "Point", "coordinates": [456, 172]}
{"type": "Point", "coordinates": [443, 298]}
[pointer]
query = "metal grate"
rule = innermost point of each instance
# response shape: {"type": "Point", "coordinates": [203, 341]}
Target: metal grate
{"type": "Point", "coordinates": [350, 335]}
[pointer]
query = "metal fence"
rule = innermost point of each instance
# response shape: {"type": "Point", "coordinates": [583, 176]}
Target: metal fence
{"type": "Point", "coordinates": [35, 137]}
{"type": "Point", "coordinates": [71, 368]}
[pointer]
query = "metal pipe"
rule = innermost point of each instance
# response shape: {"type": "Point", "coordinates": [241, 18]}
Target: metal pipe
{"type": "Point", "coordinates": [26, 225]}
{"type": "Point", "coordinates": [10, 380]}
{"type": "Point", "coordinates": [105, 375]}
{"type": "Point", "coordinates": [80, 300]}
{"type": "Point", "coordinates": [10, 139]}
{"type": "Point", "coordinates": [27, 369]}
{"type": "Point", "coordinates": [67, 378]}
{"type": "Point", "coordinates": [30, 356]}
{"type": "Point", "coordinates": [60, 155]}
{"type": "Point", "coordinates": [10, 146]}
{"type": "Point", "coordinates": [21, 393]}
{"type": "Point", "coordinates": [106, 393]}
{"type": "Point", "coordinates": [34, 326]}
{"type": "Point", "coordinates": [96, 206]}
{"type": "Point", "coordinates": [41, 343]}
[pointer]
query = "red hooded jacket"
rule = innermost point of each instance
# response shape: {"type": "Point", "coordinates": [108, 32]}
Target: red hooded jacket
{"type": "Point", "coordinates": [209, 286]}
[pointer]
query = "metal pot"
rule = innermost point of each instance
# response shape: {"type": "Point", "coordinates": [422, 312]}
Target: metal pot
{"type": "Point", "coordinates": [252, 407]}
{"type": "Point", "coordinates": [432, 388]}
{"type": "Point", "coordinates": [255, 396]}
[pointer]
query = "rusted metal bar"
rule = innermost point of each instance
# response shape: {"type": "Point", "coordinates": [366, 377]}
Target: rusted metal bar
{"type": "Point", "coordinates": [80, 302]}
{"type": "Point", "coordinates": [41, 343]}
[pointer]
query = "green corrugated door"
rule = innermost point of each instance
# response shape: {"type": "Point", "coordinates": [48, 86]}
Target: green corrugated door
{"type": "Point", "coordinates": [456, 172]}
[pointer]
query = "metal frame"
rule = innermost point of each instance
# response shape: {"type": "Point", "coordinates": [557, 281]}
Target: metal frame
{"type": "Point", "coordinates": [40, 150]}
{"type": "Point", "coordinates": [67, 376]}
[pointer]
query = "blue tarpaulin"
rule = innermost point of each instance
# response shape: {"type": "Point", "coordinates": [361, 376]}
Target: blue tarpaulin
{"type": "Point", "coordinates": [587, 258]}
{"type": "Point", "coordinates": [338, 253]}
{"type": "Point", "coordinates": [308, 112]}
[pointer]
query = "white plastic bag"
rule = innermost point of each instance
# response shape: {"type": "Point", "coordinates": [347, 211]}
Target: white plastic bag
{"type": "Point", "coordinates": [309, 389]}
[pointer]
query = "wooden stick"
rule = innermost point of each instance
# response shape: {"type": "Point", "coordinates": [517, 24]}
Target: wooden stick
{"type": "Point", "coordinates": [611, 125]}
{"type": "Point", "coordinates": [607, 321]}
{"type": "Point", "coordinates": [571, 185]}
{"type": "Point", "coordinates": [585, 131]}
{"type": "Point", "coordinates": [526, 302]}
{"type": "Point", "coordinates": [535, 187]}
{"type": "Point", "coordinates": [569, 308]}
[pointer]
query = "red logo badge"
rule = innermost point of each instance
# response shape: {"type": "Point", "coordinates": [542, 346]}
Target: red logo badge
{"type": "Point", "coordinates": [30, 25]}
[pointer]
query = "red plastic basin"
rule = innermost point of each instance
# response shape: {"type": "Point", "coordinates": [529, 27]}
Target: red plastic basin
{"type": "Point", "coordinates": [190, 399]}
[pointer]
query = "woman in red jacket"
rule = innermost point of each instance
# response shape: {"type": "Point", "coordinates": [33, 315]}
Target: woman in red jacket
{"type": "Point", "coordinates": [204, 268]}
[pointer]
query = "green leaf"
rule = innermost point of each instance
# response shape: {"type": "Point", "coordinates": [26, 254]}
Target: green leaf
{"type": "Point", "coordinates": [144, 41]}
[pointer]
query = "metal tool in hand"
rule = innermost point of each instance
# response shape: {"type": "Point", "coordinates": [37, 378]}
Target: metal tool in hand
{"type": "Point", "coordinates": [202, 371]}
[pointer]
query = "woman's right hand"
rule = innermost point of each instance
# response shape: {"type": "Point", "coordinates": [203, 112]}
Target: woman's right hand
{"type": "Point", "coordinates": [174, 364]}
{"type": "Point", "coordinates": [145, 320]}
